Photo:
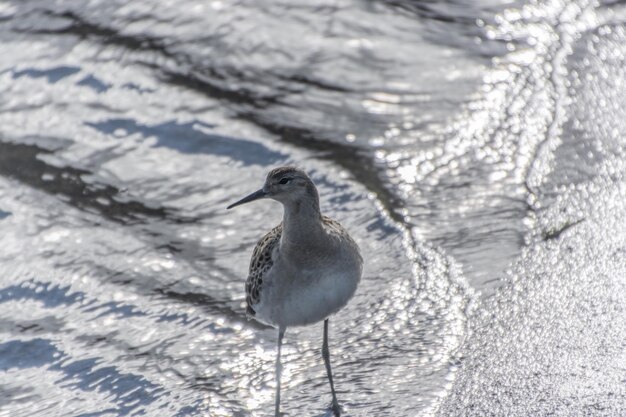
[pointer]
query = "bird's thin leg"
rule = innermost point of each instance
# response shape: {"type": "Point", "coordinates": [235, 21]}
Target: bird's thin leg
{"type": "Point", "coordinates": [326, 356]}
{"type": "Point", "coordinates": [279, 368]}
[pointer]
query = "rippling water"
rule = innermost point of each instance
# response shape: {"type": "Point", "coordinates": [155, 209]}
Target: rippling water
{"type": "Point", "coordinates": [475, 150]}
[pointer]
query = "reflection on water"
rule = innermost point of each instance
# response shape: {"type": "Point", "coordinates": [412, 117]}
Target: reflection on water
{"type": "Point", "coordinates": [473, 150]}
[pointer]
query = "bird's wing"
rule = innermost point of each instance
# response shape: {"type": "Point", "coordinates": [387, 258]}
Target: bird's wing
{"type": "Point", "coordinates": [260, 264]}
{"type": "Point", "coordinates": [335, 228]}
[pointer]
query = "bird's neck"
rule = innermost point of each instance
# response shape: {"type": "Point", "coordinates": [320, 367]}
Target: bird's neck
{"type": "Point", "coordinates": [302, 225]}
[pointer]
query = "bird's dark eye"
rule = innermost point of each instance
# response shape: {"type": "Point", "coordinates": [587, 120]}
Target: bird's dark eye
{"type": "Point", "coordinates": [284, 180]}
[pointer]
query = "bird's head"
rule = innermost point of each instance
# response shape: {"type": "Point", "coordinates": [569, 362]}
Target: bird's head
{"type": "Point", "coordinates": [287, 185]}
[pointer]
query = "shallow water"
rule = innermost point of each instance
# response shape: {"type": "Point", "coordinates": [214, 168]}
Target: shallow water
{"type": "Point", "coordinates": [475, 152]}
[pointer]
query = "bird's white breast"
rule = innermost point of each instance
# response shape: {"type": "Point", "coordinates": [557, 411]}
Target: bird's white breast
{"type": "Point", "coordinates": [304, 296]}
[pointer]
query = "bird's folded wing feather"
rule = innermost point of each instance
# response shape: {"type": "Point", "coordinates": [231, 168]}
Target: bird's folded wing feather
{"type": "Point", "coordinates": [260, 264]}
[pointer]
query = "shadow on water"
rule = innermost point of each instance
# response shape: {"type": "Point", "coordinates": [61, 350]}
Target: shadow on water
{"type": "Point", "coordinates": [218, 88]}
{"type": "Point", "coordinates": [23, 163]}
{"type": "Point", "coordinates": [215, 306]}
{"type": "Point", "coordinates": [53, 75]}
{"type": "Point", "coordinates": [191, 138]}
{"type": "Point", "coordinates": [129, 391]}
{"type": "Point", "coordinates": [48, 294]}
{"type": "Point", "coordinates": [94, 83]}
{"type": "Point", "coordinates": [31, 354]}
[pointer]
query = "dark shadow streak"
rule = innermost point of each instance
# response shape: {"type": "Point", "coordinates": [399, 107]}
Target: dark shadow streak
{"type": "Point", "coordinates": [426, 10]}
{"type": "Point", "coordinates": [556, 233]}
{"type": "Point", "coordinates": [218, 87]}
{"type": "Point", "coordinates": [22, 162]}
{"type": "Point", "coordinates": [4, 214]}
{"type": "Point", "coordinates": [187, 138]}
{"type": "Point", "coordinates": [206, 301]}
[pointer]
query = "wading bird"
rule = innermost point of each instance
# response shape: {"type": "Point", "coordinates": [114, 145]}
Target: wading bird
{"type": "Point", "coordinates": [302, 271]}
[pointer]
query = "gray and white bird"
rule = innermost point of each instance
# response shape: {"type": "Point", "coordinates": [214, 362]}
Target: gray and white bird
{"type": "Point", "coordinates": [305, 269]}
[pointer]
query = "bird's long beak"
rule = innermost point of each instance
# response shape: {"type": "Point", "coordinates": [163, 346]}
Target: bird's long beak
{"type": "Point", "coordinates": [254, 196]}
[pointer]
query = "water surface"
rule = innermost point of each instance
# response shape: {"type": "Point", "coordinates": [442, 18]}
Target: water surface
{"type": "Point", "coordinates": [474, 150]}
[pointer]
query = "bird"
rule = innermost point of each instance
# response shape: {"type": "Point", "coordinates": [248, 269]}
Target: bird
{"type": "Point", "coordinates": [304, 270]}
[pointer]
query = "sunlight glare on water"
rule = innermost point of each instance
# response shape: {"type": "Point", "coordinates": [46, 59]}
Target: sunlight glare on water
{"type": "Point", "coordinates": [473, 149]}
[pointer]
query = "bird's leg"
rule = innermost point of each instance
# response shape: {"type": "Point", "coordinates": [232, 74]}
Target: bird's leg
{"type": "Point", "coordinates": [326, 356]}
{"type": "Point", "coordinates": [279, 368]}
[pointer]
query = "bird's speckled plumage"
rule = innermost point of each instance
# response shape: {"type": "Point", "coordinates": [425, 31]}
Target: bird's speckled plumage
{"type": "Point", "coordinates": [260, 263]}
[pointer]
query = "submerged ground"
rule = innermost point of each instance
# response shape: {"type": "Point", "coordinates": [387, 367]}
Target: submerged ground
{"type": "Point", "coordinates": [475, 150]}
